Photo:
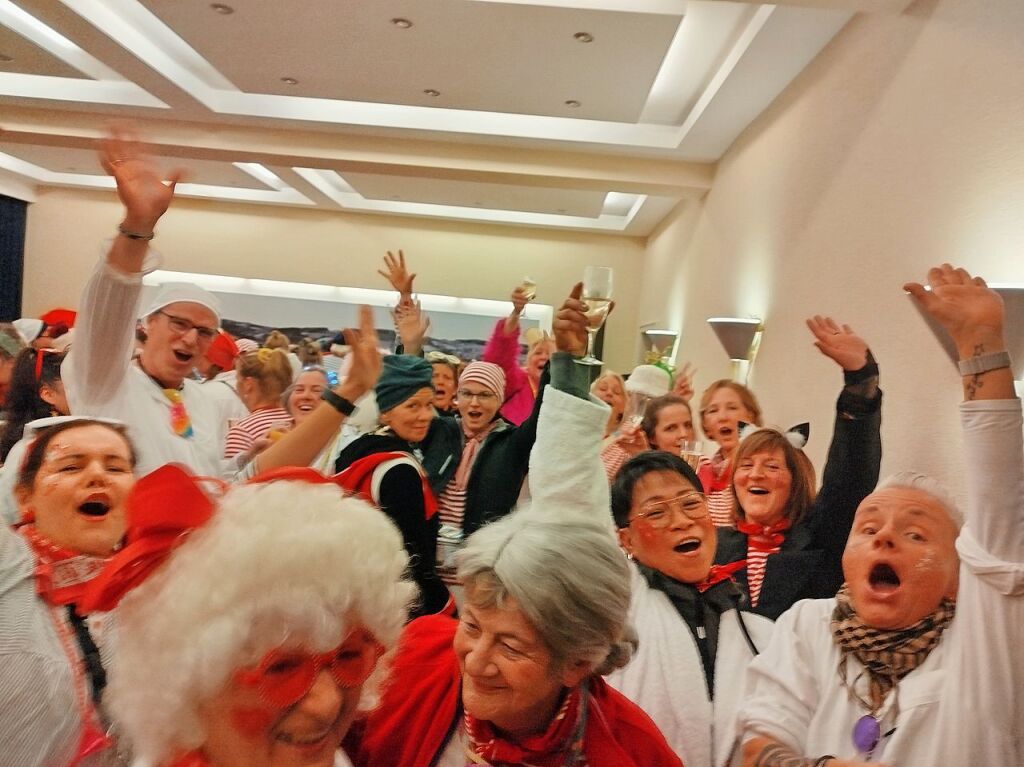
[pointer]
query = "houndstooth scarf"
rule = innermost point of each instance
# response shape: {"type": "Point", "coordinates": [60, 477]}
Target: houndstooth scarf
{"type": "Point", "coordinates": [887, 655]}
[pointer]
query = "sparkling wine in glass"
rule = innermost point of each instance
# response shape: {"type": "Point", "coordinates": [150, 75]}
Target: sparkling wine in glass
{"type": "Point", "coordinates": [691, 452]}
{"type": "Point", "coordinates": [529, 288]}
{"type": "Point", "coordinates": [597, 295]}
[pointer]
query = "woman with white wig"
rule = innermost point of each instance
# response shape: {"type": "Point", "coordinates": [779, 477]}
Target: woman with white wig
{"type": "Point", "coordinates": [517, 679]}
{"type": "Point", "coordinates": [252, 626]}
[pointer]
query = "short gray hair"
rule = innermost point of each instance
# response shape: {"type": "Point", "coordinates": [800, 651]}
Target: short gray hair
{"type": "Point", "coordinates": [913, 480]}
{"type": "Point", "coordinates": [567, 575]}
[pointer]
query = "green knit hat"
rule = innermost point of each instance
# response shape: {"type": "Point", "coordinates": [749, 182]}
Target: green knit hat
{"type": "Point", "coordinates": [401, 377]}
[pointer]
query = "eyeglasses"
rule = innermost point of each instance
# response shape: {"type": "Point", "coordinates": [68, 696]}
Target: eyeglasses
{"type": "Point", "coordinates": [482, 397]}
{"type": "Point", "coordinates": [284, 677]}
{"type": "Point", "coordinates": [658, 514]}
{"type": "Point", "coordinates": [181, 326]}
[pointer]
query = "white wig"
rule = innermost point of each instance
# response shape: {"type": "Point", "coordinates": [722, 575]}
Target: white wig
{"type": "Point", "coordinates": [282, 562]}
{"type": "Point", "coordinates": [912, 480]}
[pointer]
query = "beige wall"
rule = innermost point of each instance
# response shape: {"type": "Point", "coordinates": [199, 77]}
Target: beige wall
{"type": "Point", "coordinates": [66, 229]}
{"type": "Point", "coordinates": [901, 146]}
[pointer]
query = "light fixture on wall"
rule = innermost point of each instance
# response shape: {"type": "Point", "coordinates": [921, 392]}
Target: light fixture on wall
{"type": "Point", "coordinates": [659, 345]}
{"type": "Point", "coordinates": [740, 337]}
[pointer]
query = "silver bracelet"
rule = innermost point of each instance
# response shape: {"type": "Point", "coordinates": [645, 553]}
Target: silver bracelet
{"type": "Point", "coordinates": [135, 235]}
{"type": "Point", "coordinates": [984, 363]}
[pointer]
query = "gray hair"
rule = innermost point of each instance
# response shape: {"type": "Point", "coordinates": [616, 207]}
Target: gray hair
{"type": "Point", "coordinates": [567, 575]}
{"type": "Point", "coordinates": [913, 480]}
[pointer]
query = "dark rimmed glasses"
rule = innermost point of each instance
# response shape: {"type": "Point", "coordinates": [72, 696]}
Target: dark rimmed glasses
{"type": "Point", "coordinates": [181, 326]}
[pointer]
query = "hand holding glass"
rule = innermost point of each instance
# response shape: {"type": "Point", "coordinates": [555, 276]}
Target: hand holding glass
{"type": "Point", "coordinates": [597, 295]}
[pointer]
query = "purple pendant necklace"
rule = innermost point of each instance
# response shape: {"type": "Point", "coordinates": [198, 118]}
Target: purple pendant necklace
{"type": "Point", "coordinates": [867, 734]}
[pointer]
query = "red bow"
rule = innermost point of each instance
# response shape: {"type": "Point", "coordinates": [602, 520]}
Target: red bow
{"type": "Point", "coordinates": [764, 537]}
{"type": "Point", "coordinates": [163, 508]}
{"type": "Point", "coordinates": [719, 573]}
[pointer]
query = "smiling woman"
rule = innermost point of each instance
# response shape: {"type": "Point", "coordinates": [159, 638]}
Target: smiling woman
{"type": "Point", "coordinates": [71, 492]}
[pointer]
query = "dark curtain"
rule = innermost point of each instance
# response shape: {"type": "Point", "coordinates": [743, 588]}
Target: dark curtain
{"type": "Point", "coordinates": [12, 256]}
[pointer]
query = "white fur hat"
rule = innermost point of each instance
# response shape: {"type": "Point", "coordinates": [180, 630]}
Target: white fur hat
{"type": "Point", "coordinates": [650, 380]}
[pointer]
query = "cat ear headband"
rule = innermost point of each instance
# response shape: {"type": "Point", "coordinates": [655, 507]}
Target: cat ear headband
{"type": "Point", "coordinates": [797, 435]}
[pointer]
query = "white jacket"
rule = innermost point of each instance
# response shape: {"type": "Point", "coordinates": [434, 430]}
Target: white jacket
{"type": "Point", "coordinates": [666, 676]}
{"type": "Point", "coordinates": [962, 706]}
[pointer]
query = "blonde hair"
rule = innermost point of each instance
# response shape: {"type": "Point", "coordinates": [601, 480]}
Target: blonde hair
{"type": "Point", "coordinates": [269, 367]}
{"type": "Point", "coordinates": [281, 562]}
{"type": "Point", "coordinates": [746, 397]}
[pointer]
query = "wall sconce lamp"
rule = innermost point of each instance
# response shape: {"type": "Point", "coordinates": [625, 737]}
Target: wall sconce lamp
{"type": "Point", "coordinates": [740, 337]}
{"type": "Point", "coordinates": [660, 345]}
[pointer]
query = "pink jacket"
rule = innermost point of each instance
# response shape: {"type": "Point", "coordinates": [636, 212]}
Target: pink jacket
{"type": "Point", "coordinates": [503, 350]}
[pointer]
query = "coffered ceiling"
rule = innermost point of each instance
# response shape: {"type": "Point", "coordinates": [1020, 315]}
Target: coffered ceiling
{"type": "Point", "coordinates": [596, 115]}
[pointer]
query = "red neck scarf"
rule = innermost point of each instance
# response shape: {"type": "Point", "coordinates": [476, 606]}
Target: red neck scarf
{"type": "Point", "coordinates": [473, 442]}
{"type": "Point", "coordinates": [719, 573]}
{"type": "Point", "coordinates": [764, 537]}
{"type": "Point", "coordinates": [191, 759]}
{"type": "Point", "coordinates": [560, 744]}
{"type": "Point", "coordinates": [61, 574]}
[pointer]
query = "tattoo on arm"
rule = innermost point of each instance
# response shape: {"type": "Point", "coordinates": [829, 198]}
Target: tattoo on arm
{"type": "Point", "coordinates": [971, 388]}
{"type": "Point", "coordinates": [777, 755]}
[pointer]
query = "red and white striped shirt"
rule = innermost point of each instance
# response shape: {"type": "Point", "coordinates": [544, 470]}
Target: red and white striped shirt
{"type": "Point", "coordinates": [254, 426]}
{"type": "Point", "coordinates": [757, 561]}
{"type": "Point", "coordinates": [451, 508]}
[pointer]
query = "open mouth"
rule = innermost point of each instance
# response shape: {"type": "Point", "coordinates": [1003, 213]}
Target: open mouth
{"type": "Point", "coordinates": [94, 509]}
{"type": "Point", "coordinates": [687, 545]}
{"type": "Point", "coordinates": [757, 491]}
{"type": "Point", "coordinates": [183, 356]}
{"type": "Point", "coordinates": [883, 578]}
{"type": "Point", "coordinates": [474, 414]}
{"type": "Point", "coordinates": [306, 407]}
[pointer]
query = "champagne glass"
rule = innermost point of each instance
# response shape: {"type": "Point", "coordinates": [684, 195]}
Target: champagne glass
{"type": "Point", "coordinates": [597, 295]}
{"type": "Point", "coordinates": [691, 452]}
{"type": "Point", "coordinates": [529, 287]}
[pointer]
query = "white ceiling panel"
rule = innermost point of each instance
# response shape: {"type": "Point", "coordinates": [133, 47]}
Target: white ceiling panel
{"type": "Point", "coordinates": [19, 55]}
{"type": "Point", "coordinates": [469, 194]}
{"type": "Point", "coordinates": [489, 57]}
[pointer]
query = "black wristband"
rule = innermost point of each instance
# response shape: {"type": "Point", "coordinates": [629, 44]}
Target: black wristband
{"type": "Point", "coordinates": [338, 402]}
{"type": "Point", "coordinates": [869, 370]}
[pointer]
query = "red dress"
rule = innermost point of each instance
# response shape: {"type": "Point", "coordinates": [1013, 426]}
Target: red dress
{"type": "Point", "coordinates": [420, 711]}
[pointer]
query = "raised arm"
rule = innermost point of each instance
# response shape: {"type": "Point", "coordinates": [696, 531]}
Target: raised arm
{"type": "Point", "coordinates": [855, 454]}
{"type": "Point", "coordinates": [302, 444]}
{"type": "Point", "coordinates": [973, 315]}
{"type": "Point", "coordinates": [502, 348]}
{"type": "Point", "coordinates": [566, 473]}
{"type": "Point", "coordinates": [105, 330]}
{"type": "Point", "coordinates": [398, 275]}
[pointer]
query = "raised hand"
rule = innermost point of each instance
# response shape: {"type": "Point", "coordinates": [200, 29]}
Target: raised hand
{"type": "Point", "coordinates": [839, 343]}
{"type": "Point", "coordinates": [570, 325]}
{"type": "Point", "coordinates": [520, 298]}
{"type": "Point", "coordinates": [683, 385]}
{"type": "Point", "coordinates": [411, 324]}
{"type": "Point", "coordinates": [366, 360]}
{"type": "Point", "coordinates": [397, 274]}
{"type": "Point", "coordinates": [970, 311]}
{"type": "Point", "coordinates": [143, 189]}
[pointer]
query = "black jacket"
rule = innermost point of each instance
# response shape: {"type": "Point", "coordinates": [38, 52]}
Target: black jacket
{"type": "Point", "coordinates": [809, 564]}
{"type": "Point", "coordinates": [499, 468]}
{"type": "Point", "coordinates": [401, 498]}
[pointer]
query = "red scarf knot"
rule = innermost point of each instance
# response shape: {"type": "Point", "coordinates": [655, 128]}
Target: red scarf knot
{"type": "Point", "coordinates": [764, 537]}
{"type": "Point", "coordinates": [719, 573]}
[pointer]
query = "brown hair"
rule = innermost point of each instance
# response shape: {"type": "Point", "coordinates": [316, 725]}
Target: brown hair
{"type": "Point", "coordinates": [277, 340]}
{"type": "Point", "coordinates": [309, 353]}
{"type": "Point", "coordinates": [801, 491]}
{"type": "Point", "coordinates": [270, 368]}
{"type": "Point", "coordinates": [37, 448]}
{"type": "Point", "coordinates": [653, 411]}
{"type": "Point", "coordinates": [746, 397]}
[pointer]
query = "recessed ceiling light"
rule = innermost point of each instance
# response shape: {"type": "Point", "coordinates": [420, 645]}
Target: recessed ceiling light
{"type": "Point", "coordinates": [572, 103]}
{"type": "Point", "coordinates": [5, 59]}
{"type": "Point", "coordinates": [222, 9]}
{"type": "Point", "coordinates": [289, 81]}
{"type": "Point", "coordinates": [401, 23]}
{"type": "Point", "coordinates": [584, 37]}
{"type": "Point", "coordinates": [431, 92]}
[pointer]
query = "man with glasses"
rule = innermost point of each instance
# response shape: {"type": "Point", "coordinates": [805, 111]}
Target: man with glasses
{"type": "Point", "coordinates": [170, 417]}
